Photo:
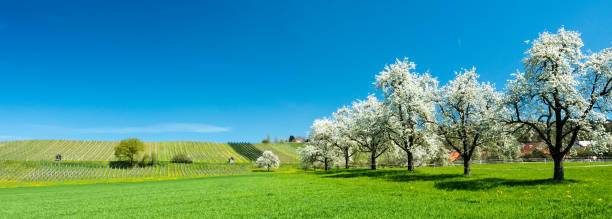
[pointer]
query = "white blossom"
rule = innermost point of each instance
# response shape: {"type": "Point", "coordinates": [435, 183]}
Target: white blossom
{"type": "Point", "coordinates": [268, 160]}
{"type": "Point", "coordinates": [409, 98]}
{"type": "Point", "coordinates": [367, 123]}
{"type": "Point", "coordinates": [323, 136]}
{"type": "Point", "coordinates": [469, 114]}
{"type": "Point", "coordinates": [563, 95]}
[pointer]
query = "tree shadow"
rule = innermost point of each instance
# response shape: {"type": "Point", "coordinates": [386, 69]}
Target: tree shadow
{"type": "Point", "coordinates": [442, 181]}
{"type": "Point", "coordinates": [390, 175]}
{"type": "Point", "coordinates": [489, 183]}
{"type": "Point", "coordinates": [120, 164]}
{"type": "Point", "coordinates": [262, 171]}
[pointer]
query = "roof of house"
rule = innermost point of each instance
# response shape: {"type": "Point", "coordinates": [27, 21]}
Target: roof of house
{"type": "Point", "coordinates": [583, 143]}
{"type": "Point", "coordinates": [531, 146]}
{"type": "Point", "coordinates": [453, 156]}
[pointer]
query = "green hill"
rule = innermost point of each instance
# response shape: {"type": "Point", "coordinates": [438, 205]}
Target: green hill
{"type": "Point", "coordinates": [35, 150]}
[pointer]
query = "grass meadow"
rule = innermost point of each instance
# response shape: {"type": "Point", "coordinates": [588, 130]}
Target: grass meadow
{"type": "Point", "coordinates": [494, 191]}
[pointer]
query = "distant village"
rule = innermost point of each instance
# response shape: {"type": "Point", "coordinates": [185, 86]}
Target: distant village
{"type": "Point", "coordinates": [291, 139]}
{"type": "Point", "coordinates": [534, 148]}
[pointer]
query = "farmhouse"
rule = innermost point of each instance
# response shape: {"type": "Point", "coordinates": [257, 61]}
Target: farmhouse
{"type": "Point", "coordinates": [531, 146]}
{"type": "Point", "coordinates": [453, 155]}
{"type": "Point", "coordinates": [582, 144]}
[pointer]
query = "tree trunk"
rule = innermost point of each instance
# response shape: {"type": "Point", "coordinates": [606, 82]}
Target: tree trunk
{"type": "Point", "coordinates": [410, 162]}
{"type": "Point", "coordinates": [326, 165]}
{"type": "Point", "coordinates": [466, 167]}
{"type": "Point", "coordinates": [346, 160]}
{"type": "Point", "coordinates": [373, 161]}
{"type": "Point", "coordinates": [559, 175]}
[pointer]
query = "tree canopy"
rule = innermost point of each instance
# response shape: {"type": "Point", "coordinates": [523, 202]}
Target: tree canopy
{"type": "Point", "coordinates": [127, 149]}
{"type": "Point", "coordinates": [563, 94]}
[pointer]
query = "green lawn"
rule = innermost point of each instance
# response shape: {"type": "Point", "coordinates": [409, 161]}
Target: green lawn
{"type": "Point", "coordinates": [494, 191]}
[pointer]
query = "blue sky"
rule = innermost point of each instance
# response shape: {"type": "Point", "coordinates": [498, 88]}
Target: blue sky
{"type": "Point", "coordinates": [237, 70]}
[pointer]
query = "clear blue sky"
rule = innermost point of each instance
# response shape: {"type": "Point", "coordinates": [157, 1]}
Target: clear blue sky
{"type": "Point", "coordinates": [237, 70]}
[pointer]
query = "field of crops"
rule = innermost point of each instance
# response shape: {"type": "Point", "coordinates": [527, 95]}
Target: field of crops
{"type": "Point", "coordinates": [33, 173]}
{"type": "Point", "coordinates": [35, 150]}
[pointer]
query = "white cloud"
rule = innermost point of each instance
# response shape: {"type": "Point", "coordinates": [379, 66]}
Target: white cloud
{"type": "Point", "coordinates": [11, 138]}
{"type": "Point", "coordinates": [158, 128]}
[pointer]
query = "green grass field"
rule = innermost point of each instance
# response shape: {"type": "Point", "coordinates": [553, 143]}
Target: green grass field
{"type": "Point", "coordinates": [494, 191]}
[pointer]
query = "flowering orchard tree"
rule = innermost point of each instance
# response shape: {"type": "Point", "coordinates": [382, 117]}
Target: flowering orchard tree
{"type": "Point", "coordinates": [268, 160]}
{"type": "Point", "coordinates": [602, 143]}
{"type": "Point", "coordinates": [308, 155]}
{"type": "Point", "coordinates": [323, 134]}
{"type": "Point", "coordinates": [506, 147]}
{"type": "Point", "coordinates": [469, 115]}
{"type": "Point", "coordinates": [563, 94]}
{"type": "Point", "coordinates": [343, 144]}
{"type": "Point", "coordinates": [367, 122]}
{"type": "Point", "coordinates": [409, 98]}
{"type": "Point", "coordinates": [421, 155]}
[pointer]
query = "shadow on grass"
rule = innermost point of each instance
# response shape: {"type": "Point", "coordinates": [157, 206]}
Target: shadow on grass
{"type": "Point", "coordinates": [262, 171]}
{"type": "Point", "coordinates": [489, 183]}
{"type": "Point", "coordinates": [391, 175]}
{"type": "Point", "coordinates": [441, 181]}
{"type": "Point", "coordinates": [120, 164]}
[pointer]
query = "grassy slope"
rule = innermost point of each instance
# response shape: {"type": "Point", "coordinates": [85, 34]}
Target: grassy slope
{"type": "Point", "coordinates": [103, 150]}
{"type": "Point", "coordinates": [501, 190]}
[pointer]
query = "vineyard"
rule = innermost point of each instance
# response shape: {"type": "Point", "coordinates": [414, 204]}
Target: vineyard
{"type": "Point", "coordinates": [41, 150]}
{"type": "Point", "coordinates": [24, 173]}
{"type": "Point", "coordinates": [32, 162]}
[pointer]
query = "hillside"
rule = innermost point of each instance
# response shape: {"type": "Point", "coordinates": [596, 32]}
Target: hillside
{"type": "Point", "coordinates": [34, 150]}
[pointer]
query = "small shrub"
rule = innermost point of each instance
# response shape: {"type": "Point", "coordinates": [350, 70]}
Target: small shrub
{"type": "Point", "coordinates": [181, 158]}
